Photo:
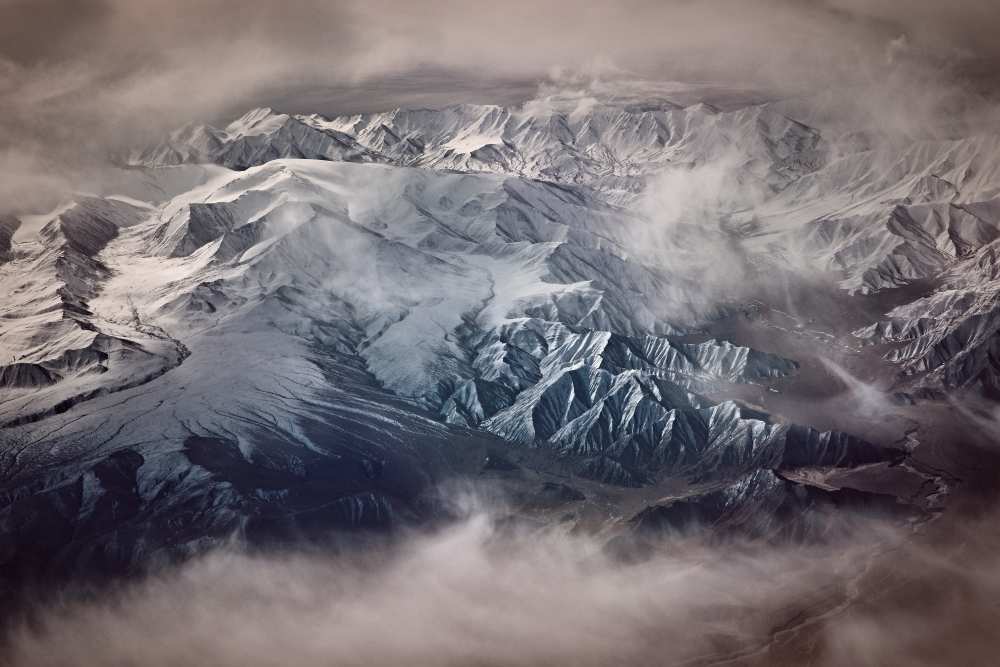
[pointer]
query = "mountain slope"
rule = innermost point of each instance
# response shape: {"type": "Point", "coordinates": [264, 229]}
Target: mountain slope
{"type": "Point", "coordinates": [339, 315]}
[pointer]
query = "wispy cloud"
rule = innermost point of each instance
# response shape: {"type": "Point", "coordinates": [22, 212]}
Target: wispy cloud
{"type": "Point", "coordinates": [81, 77]}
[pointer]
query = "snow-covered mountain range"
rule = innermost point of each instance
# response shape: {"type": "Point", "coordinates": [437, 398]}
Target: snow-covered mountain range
{"type": "Point", "coordinates": [297, 323]}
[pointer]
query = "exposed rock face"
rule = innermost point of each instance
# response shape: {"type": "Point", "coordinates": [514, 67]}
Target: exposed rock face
{"type": "Point", "coordinates": [258, 137]}
{"type": "Point", "coordinates": [612, 147]}
{"type": "Point", "coordinates": [765, 505]}
{"type": "Point", "coordinates": [54, 350]}
{"type": "Point", "coordinates": [949, 339]}
{"type": "Point", "coordinates": [342, 313]}
{"type": "Point", "coordinates": [882, 216]}
{"type": "Point", "coordinates": [8, 225]}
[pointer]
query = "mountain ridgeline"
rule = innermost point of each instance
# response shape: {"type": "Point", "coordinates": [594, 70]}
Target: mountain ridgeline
{"type": "Point", "coordinates": [296, 325]}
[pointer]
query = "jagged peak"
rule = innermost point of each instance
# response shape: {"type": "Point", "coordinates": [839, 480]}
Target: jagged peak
{"type": "Point", "coordinates": [256, 121]}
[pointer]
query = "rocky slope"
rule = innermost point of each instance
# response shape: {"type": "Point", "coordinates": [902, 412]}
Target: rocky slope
{"type": "Point", "coordinates": [295, 323]}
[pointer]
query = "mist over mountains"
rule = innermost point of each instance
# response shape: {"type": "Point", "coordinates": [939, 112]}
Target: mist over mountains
{"type": "Point", "coordinates": [664, 332]}
{"type": "Point", "coordinates": [80, 77]}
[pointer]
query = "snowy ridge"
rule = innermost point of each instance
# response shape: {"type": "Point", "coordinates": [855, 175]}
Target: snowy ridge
{"type": "Point", "coordinates": [57, 350]}
{"type": "Point", "coordinates": [604, 145]}
{"type": "Point", "coordinates": [331, 315]}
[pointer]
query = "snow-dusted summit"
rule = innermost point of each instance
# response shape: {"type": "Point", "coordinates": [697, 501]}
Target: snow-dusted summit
{"type": "Point", "coordinates": [297, 323]}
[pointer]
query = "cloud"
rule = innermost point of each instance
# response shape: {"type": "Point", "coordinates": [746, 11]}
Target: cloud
{"type": "Point", "coordinates": [476, 593]}
{"type": "Point", "coordinates": [514, 36]}
{"type": "Point", "coordinates": [80, 78]}
{"type": "Point", "coordinates": [471, 594]}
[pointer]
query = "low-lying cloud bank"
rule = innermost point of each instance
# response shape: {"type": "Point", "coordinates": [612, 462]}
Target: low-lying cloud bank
{"type": "Point", "coordinates": [477, 594]}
